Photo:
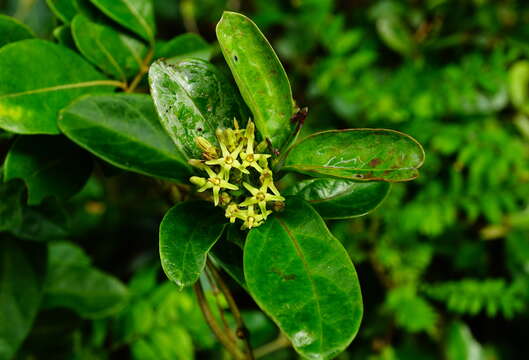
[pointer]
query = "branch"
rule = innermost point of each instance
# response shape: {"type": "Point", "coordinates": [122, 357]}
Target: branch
{"type": "Point", "coordinates": [278, 344]}
{"type": "Point", "coordinates": [214, 326]}
{"type": "Point", "coordinates": [242, 331]}
{"type": "Point", "coordinates": [144, 67]}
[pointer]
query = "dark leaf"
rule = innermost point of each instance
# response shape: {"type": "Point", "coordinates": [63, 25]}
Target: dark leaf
{"type": "Point", "coordinates": [49, 165]}
{"type": "Point", "coordinates": [124, 130]}
{"type": "Point", "coordinates": [187, 233]}
{"type": "Point", "coordinates": [194, 99]}
{"type": "Point", "coordinates": [301, 276]}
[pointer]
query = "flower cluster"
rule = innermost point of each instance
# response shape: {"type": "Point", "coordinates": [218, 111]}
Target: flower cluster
{"type": "Point", "coordinates": [233, 170]}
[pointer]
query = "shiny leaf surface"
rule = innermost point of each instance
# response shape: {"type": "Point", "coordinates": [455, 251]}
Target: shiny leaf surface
{"type": "Point", "coordinates": [49, 165]}
{"type": "Point", "coordinates": [12, 30]}
{"type": "Point", "coordinates": [260, 76]}
{"type": "Point", "coordinates": [115, 53]}
{"type": "Point", "coordinates": [357, 154]}
{"type": "Point", "coordinates": [341, 199]}
{"type": "Point", "coordinates": [187, 233]}
{"type": "Point", "coordinates": [22, 275]}
{"type": "Point", "coordinates": [194, 99]}
{"type": "Point", "coordinates": [135, 15]}
{"type": "Point", "coordinates": [73, 283]}
{"type": "Point", "coordinates": [184, 46]}
{"type": "Point", "coordinates": [38, 79]}
{"type": "Point", "coordinates": [124, 130]}
{"type": "Point", "coordinates": [301, 276]}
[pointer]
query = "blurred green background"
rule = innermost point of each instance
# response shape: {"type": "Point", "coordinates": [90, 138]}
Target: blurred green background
{"type": "Point", "coordinates": [443, 263]}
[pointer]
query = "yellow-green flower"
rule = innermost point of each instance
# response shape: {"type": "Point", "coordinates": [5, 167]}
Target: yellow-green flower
{"type": "Point", "coordinates": [252, 219]}
{"type": "Point", "coordinates": [260, 197]}
{"type": "Point", "coordinates": [216, 182]}
{"type": "Point", "coordinates": [228, 160]}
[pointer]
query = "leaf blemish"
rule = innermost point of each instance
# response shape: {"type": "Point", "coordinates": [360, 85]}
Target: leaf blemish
{"type": "Point", "coordinates": [285, 277]}
{"type": "Point", "coordinates": [374, 162]}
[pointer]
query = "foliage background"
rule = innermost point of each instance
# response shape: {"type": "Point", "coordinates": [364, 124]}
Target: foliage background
{"type": "Point", "coordinates": [443, 263]}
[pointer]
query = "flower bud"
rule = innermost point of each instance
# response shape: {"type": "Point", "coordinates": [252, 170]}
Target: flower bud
{"type": "Point", "coordinates": [197, 180]}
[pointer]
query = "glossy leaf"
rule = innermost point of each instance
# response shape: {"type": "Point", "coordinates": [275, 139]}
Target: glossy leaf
{"type": "Point", "coordinates": [49, 165]}
{"type": "Point", "coordinates": [357, 154]}
{"type": "Point", "coordinates": [184, 46]}
{"type": "Point", "coordinates": [73, 283]}
{"type": "Point", "coordinates": [12, 30]}
{"type": "Point", "coordinates": [22, 275]}
{"type": "Point", "coordinates": [194, 99]}
{"type": "Point", "coordinates": [135, 15]}
{"type": "Point", "coordinates": [38, 79]}
{"type": "Point", "coordinates": [11, 208]}
{"type": "Point", "coordinates": [341, 199]}
{"type": "Point", "coordinates": [63, 9]}
{"type": "Point", "coordinates": [260, 76]}
{"type": "Point", "coordinates": [301, 276]}
{"type": "Point", "coordinates": [124, 130]}
{"type": "Point", "coordinates": [115, 53]}
{"type": "Point", "coordinates": [187, 233]}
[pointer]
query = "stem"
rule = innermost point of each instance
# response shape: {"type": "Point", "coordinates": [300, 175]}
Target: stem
{"type": "Point", "coordinates": [278, 344]}
{"type": "Point", "coordinates": [144, 67]}
{"type": "Point", "coordinates": [217, 292]}
{"type": "Point", "coordinates": [187, 7]}
{"type": "Point", "coordinates": [214, 326]}
{"type": "Point", "coordinates": [242, 331]}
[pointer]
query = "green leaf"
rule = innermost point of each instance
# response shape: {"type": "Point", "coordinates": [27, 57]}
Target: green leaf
{"type": "Point", "coordinates": [184, 46]}
{"type": "Point", "coordinates": [396, 35]}
{"type": "Point", "coordinates": [193, 99]}
{"type": "Point", "coordinates": [63, 9]}
{"type": "Point", "coordinates": [124, 130]}
{"type": "Point", "coordinates": [48, 221]}
{"type": "Point", "coordinates": [301, 276]}
{"type": "Point", "coordinates": [11, 208]}
{"type": "Point", "coordinates": [38, 79]}
{"type": "Point", "coordinates": [135, 15]}
{"type": "Point", "coordinates": [22, 275]}
{"type": "Point", "coordinates": [460, 344]}
{"type": "Point", "coordinates": [49, 165]}
{"type": "Point", "coordinates": [187, 233]}
{"type": "Point", "coordinates": [63, 34]}
{"type": "Point", "coordinates": [341, 199]}
{"type": "Point", "coordinates": [518, 83]}
{"type": "Point", "coordinates": [260, 76]}
{"type": "Point", "coordinates": [73, 283]}
{"type": "Point", "coordinates": [12, 30]}
{"type": "Point", "coordinates": [357, 154]}
{"type": "Point", "coordinates": [115, 53]}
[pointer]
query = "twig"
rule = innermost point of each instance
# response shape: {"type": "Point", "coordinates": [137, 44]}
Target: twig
{"type": "Point", "coordinates": [144, 68]}
{"type": "Point", "coordinates": [214, 326]}
{"type": "Point", "coordinates": [278, 344]}
{"type": "Point", "coordinates": [217, 292]}
{"type": "Point", "coordinates": [242, 331]}
{"type": "Point", "coordinates": [187, 7]}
